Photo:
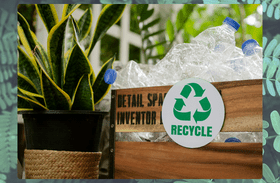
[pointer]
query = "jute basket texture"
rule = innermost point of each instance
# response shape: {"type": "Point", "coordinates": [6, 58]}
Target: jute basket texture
{"type": "Point", "coordinates": [50, 164]}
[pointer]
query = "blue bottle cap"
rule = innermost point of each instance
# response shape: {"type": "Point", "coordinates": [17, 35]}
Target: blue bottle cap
{"type": "Point", "coordinates": [232, 139]}
{"type": "Point", "coordinates": [232, 23]}
{"type": "Point", "coordinates": [248, 46]}
{"type": "Point", "coordinates": [110, 76]}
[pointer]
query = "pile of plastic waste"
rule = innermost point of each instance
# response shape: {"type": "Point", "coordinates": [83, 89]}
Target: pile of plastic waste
{"type": "Point", "coordinates": [211, 56]}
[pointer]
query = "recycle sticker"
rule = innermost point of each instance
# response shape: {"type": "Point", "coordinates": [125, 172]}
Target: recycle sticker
{"type": "Point", "coordinates": [193, 112]}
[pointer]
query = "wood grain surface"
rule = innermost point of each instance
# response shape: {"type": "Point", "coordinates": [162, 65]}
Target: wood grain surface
{"type": "Point", "coordinates": [242, 100]}
{"type": "Point", "coordinates": [167, 160]}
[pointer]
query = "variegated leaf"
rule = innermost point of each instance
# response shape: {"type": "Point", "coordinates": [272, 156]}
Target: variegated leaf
{"type": "Point", "coordinates": [77, 66]}
{"type": "Point", "coordinates": [109, 15]}
{"type": "Point", "coordinates": [29, 69]}
{"type": "Point", "coordinates": [56, 48]}
{"type": "Point", "coordinates": [83, 95]}
{"type": "Point", "coordinates": [48, 14]}
{"type": "Point", "coordinates": [55, 97]}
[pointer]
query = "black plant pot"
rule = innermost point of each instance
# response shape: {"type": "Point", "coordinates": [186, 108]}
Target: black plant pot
{"type": "Point", "coordinates": [63, 130]}
{"type": "Point", "coordinates": [62, 144]}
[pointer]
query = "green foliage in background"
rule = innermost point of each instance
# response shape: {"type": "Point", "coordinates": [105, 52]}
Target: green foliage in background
{"type": "Point", "coordinates": [271, 136]}
{"type": "Point", "coordinates": [271, 67]}
{"type": "Point", "coordinates": [191, 20]}
{"type": "Point", "coordinates": [141, 17]}
{"type": "Point", "coordinates": [194, 19]}
{"type": "Point", "coordinates": [52, 79]}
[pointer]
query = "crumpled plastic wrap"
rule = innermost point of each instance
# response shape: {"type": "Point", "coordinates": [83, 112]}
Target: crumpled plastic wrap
{"type": "Point", "coordinates": [189, 60]}
{"type": "Point", "coordinates": [250, 137]}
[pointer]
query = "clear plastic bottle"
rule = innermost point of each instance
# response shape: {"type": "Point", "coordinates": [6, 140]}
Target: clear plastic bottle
{"type": "Point", "coordinates": [252, 48]}
{"type": "Point", "coordinates": [253, 58]}
{"type": "Point", "coordinates": [219, 39]}
{"type": "Point", "coordinates": [236, 61]}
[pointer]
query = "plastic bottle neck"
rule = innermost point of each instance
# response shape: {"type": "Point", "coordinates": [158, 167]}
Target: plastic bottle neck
{"type": "Point", "coordinates": [228, 27]}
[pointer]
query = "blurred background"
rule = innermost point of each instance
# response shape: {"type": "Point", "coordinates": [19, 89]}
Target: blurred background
{"type": "Point", "coordinates": [146, 32]}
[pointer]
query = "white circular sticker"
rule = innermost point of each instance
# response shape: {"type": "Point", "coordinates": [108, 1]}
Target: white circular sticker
{"type": "Point", "coordinates": [193, 112]}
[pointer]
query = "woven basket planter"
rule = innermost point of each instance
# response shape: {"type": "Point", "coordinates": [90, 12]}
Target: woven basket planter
{"type": "Point", "coordinates": [62, 144]}
{"type": "Point", "coordinates": [48, 164]}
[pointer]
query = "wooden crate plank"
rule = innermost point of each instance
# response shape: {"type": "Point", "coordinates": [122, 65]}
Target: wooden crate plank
{"type": "Point", "coordinates": [242, 99]}
{"type": "Point", "coordinates": [168, 160]}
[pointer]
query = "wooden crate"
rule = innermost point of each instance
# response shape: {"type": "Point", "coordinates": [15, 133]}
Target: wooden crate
{"type": "Point", "coordinates": [168, 160]}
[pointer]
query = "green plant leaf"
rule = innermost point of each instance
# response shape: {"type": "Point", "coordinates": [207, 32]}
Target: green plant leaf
{"type": "Point", "coordinates": [277, 13]}
{"type": "Point", "coordinates": [33, 96]}
{"type": "Point", "coordinates": [100, 88]}
{"type": "Point", "coordinates": [272, 68]}
{"type": "Point", "coordinates": [270, 10]}
{"type": "Point", "coordinates": [83, 95]}
{"type": "Point", "coordinates": [153, 34]}
{"type": "Point", "coordinates": [270, 47]}
{"type": "Point", "coordinates": [85, 23]}
{"type": "Point", "coordinates": [55, 97]}
{"type": "Point", "coordinates": [263, 89]}
{"type": "Point", "coordinates": [77, 66]}
{"type": "Point", "coordinates": [23, 104]}
{"type": "Point", "coordinates": [156, 56]}
{"type": "Point", "coordinates": [274, 2]}
{"type": "Point", "coordinates": [160, 49]}
{"type": "Point", "coordinates": [3, 176]}
{"type": "Point", "coordinates": [275, 121]}
{"type": "Point", "coordinates": [170, 30]}
{"type": "Point", "coordinates": [67, 9]}
{"type": "Point", "coordinates": [267, 173]}
{"type": "Point", "coordinates": [276, 51]}
{"type": "Point", "coordinates": [265, 124]}
{"type": "Point", "coordinates": [145, 14]}
{"type": "Point", "coordinates": [180, 20]}
{"type": "Point", "coordinates": [142, 8]}
{"type": "Point", "coordinates": [109, 15]}
{"type": "Point", "coordinates": [187, 11]}
{"type": "Point", "coordinates": [76, 32]}
{"type": "Point", "coordinates": [25, 35]}
{"type": "Point", "coordinates": [270, 88]}
{"type": "Point", "coordinates": [264, 42]}
{"type": "Point", "coordinates": [266, 62]}
{"type": "Point", "coordinates": [155, 45]}
{"type": "Point", "coordinates": [150, 24]}
{"type": "Point", "coordinates": [277, 76]}
{"type": "Point", "coordinates": [276, 144]}
{"type": "Point", "coordinates": [48, 15]}
{"type": "Point", "coordinates": [265, 133]}
{"type": "Point", "coordinates": [56, 48]}
{"type": "Point", "coordinates": [43, 60]}
{"type": "Point", "coordinates": [34, 104]}
{"type": "Point", "coordinates": [264, 5]}
{"type": "Point", "coordinates": [28, 68]}
{"type": "Point", "coordinates": [277, 85]}
{"type": "Point", "coordinates": [26, 84]}
{"type": "Point", "coordinates": [264, 141]}
{"type": "Point", "coordinates": [74, 29]}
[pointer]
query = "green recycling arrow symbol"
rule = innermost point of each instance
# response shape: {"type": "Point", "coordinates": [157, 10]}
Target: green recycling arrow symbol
{"type": "Point", "coordinates": [198, 115]}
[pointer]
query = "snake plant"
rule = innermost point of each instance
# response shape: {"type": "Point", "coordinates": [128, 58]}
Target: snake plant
{"type": "Point", "coordinates": [55, 79]}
